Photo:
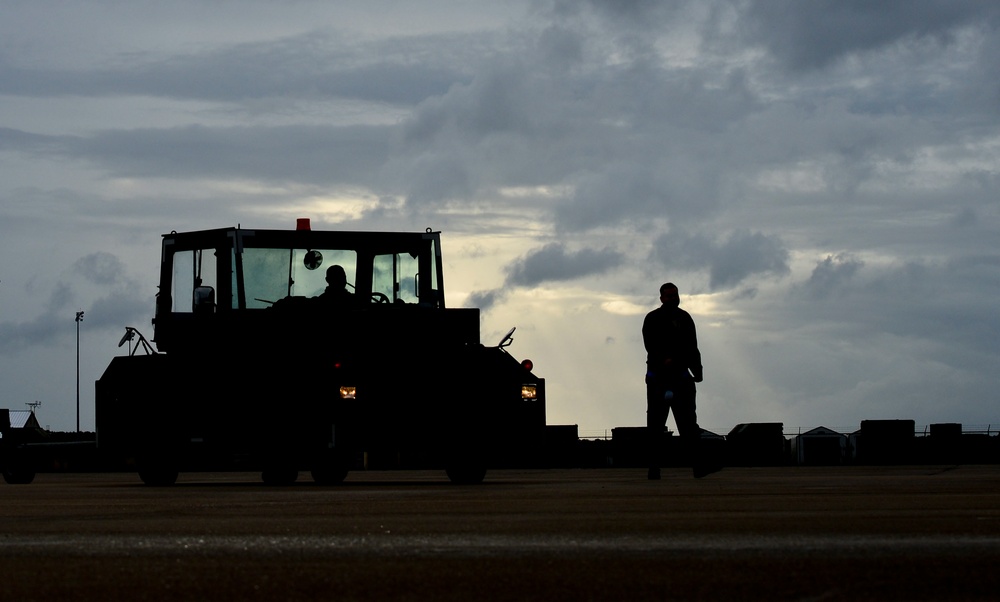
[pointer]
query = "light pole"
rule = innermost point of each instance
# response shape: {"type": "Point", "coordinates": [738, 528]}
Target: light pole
{"type": "Point", "coordinates": [79, 318]}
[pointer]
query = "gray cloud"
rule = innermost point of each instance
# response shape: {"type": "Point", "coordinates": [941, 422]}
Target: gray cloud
{"type": "Point", "coordinates": [396, 71]}
{"type": "Point", "coordinates": [553, 263]}
{"type": "Point", "coordinates": [744, 254]}
{"type": "Point", "coordinates": [814, 34]}
{"type": "Point", "coordinates": [315, 154]}
{"type": "Point", "coordinates": [119, 310]}
{"type": "Point", "coordinates": [101, 268]}
{"type": "Point", "coordinates": [831, 274]}
{"type": "Point", "coordinates": [115, 302]}
{"type": "Point", "coordinates": [485, 300]}
{"type": "Point", "coordinates": [729, 261]}
{"type": "Point", "coordinates": [944, 310]}
{"type": "Point", "coordinates": [41, 330]}
{"type": "Point", "coordinates": [26, 142]}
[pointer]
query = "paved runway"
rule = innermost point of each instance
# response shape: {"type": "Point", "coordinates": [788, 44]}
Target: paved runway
{"type": "Point", "coordinates": [863, 533]}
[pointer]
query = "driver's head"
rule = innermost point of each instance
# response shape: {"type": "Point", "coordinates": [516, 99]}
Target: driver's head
{"type": "Point", "coordinates": [336, 277]}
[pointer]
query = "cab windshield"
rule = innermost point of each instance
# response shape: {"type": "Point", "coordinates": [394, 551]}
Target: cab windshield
{"type": "Point", "coordinates": [270, 275]}
{"type": "Point", "coordinates": [222, 271]}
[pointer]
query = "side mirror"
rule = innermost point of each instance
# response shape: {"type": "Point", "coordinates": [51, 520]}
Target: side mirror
{"type": "Point", "coordinates": [203, 300]}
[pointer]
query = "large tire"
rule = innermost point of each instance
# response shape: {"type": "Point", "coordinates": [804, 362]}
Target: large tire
{"type": "Point", "coordinates": [466, 461]}
{"type": "Point", "coordinates": [329, 475]}
{"type": "Point", "coordinates": [18, 476]}
{"type": "Point", "coordinates": [466, 474]}
{"type": "Point", "coordinates": [157, 471]}
{"type": "Point", "coordinates": [279, 475]}
{"type": "Point", "coordinates": [158, 477]}
{"type": "Point", "coordinates": [16, 467]}
{"type": "Point", "coordinates": [330, 468]}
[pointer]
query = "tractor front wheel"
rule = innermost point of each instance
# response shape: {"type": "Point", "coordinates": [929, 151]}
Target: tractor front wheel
{"type": "Point", "coordinates": [18, 476]}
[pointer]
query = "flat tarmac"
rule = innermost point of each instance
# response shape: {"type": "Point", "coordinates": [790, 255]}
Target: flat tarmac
{"type": "Point", "coordinates": [786, 533]}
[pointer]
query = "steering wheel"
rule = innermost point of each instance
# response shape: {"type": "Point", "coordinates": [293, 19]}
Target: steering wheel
{"type": "Point", "coordinates": [380, 298]}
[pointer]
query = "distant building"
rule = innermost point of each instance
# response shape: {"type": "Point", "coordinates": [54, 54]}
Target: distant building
{"type": "Point", "coordinates": [883, 442]}
{"type": "Point", "coordinates": [820, 447]}
{"type": "Point", "coordinates": [757, 444]}
{"type": "Point", "coordinates": [18, 419]}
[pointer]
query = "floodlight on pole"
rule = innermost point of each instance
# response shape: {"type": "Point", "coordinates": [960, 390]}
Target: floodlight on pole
{"type": "Point", "coordinates": [79, 318]}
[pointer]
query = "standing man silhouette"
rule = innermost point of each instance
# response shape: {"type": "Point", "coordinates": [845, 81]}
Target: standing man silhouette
{"type": "Point", "coordinates": [673, 366]}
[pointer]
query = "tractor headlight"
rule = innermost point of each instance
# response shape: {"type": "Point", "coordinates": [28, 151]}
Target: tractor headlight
{"type": "Point", "coordinates": [529, 391]}
{"type": "Point", "coordinates": [348, 392]}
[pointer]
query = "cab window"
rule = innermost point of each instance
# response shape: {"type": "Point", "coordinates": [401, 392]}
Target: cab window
{"type": "Point", "coordinates": [396, 276]}
{"type": "Point", "coordinates": [193, 282]}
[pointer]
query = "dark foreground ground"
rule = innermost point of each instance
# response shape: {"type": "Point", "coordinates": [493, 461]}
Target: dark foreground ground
{"type": "Point", "coordinates": [855, 533]}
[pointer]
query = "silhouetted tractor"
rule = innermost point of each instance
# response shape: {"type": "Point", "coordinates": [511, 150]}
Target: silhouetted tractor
{"type": "Point", "coordinates": [258, 366]}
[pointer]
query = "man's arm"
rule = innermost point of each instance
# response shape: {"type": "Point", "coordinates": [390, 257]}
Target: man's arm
{"type": "Point", "coordinates": [695, 358]}
{"type": "Point", "coordinates": [647, 333]}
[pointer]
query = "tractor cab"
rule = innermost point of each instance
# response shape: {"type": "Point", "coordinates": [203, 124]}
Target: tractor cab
{"type": "Point", "coordinates": [223, 278]}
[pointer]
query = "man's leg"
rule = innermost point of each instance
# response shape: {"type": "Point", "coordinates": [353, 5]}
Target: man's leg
{"type": "Point", "coordinates": [656, 419]}
{"type": "Point", "coordinates": [687, 425]}
{"type": "Point", "coordinates": [686, 417]}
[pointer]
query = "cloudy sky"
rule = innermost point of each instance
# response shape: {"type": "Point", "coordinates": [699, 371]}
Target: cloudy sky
{"type": "Point", "coordinates": [819, 178]}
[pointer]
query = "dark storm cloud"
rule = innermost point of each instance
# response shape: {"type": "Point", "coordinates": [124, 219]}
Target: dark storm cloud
{"type": "Point", "coordinates": [511, 126]}
{"type": "Point", "coordinates": [729, 261]}
{"type": "Point", "coordinates": [549, 264]}
{"type": "Point", "coordinates": [832, 274]}
{"type": "Point", "coordinates": [318, 154]}
{"type": "Point", "coordinates": [485, 300]}
{"type": "Point", "coordinates": [20, 141]}
{"type": "Point", "coordinates": [46, 327]}
{"type": "Point", "coordinates": [101, 268]}
{"type": "Point", "coordinates": [945, 304]}
{"type": "Point", "coordinates": [41, 330]}
{"type": "Point", "coordinates": [115, 303]}
{"type": "Point", "coordinates": [810, 35]}
{"type": "Point", "coordinates": [623, 139]}
{"type": "Point", "coordinates": [629, 22]}
{"type": "Point", "coordinates": [396, 71]}
{"type": "Point", "coordinates": [62, 296]}
{"type": "Point", "coordinates": [617, 193]}
{"type": "Point", "coordinates": [119, 310]}
{"type": "Point", "coordinates": [553, 263]}
{"type": "Point", "coordinates": [669, 186]}
{"type": "Point", "coordinates": [744, 254]}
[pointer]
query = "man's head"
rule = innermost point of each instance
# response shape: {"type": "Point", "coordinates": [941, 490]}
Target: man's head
{"type": "Point", "coordinates": [336, 277]}
{"type": "Point", "coordinates": [669, 295]}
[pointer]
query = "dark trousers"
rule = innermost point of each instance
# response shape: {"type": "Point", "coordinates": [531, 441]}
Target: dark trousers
{"type": "Point", "coordinates": [682, 402]}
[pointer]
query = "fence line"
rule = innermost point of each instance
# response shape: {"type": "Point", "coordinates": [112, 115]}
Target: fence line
{"type": "Point", "coordinates": [793, 431]}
